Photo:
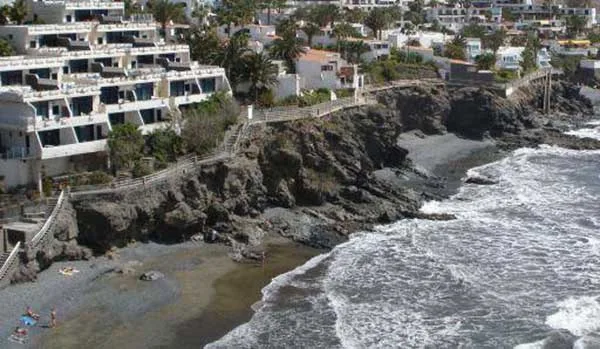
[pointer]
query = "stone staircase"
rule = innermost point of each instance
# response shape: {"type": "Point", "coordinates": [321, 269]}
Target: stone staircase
{"type": "Point", "coordinates": [4, 257]}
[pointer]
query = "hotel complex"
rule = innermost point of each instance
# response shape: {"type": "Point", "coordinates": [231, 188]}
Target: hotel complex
{"type": "Point", "coordinates": [88, 69]}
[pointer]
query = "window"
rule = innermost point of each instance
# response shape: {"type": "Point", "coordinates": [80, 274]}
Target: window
{"type": "Point", "coordinates": [56, 109]}
{"type": "Point", "coordinates": [326, 68]}
{"type": "Point", "coordinates": [68, 18]}
{"type": "Point", "coordinates": [32, 44]}
{"type": "Point", "coordinates": [51, 137]}
{"type": "Point", "coordinates": [144, 92]}
{"type": "Point", "coordinates": [100, 41]}
{"type": "Point", "coordinates": [117, 118]}
{"type": "Point", "coordinates": [147, 116]}
{"type": "Point", "coordinates": [208, 85]}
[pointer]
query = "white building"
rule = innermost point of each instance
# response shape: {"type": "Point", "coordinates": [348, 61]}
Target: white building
{"type": "Point", "coordinates": [75, 80]}
{"type": "Point", "coordinates": [426, 39]}
{"type": "Point", "coordinates": [457, 17]}
{"type": "Point", "coordinates": [257, 32]}
{"type": "Point", "coordinates": [324, 69]}
{"type": "Point", "coordinates": [473, 48]}
{"type": "Point", "coordinates": [537, 12]}
{"type": "Point", "coordinates": [510, 58]}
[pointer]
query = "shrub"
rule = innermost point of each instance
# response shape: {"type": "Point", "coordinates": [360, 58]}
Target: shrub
{"type": "Point", "coordinates": [205, 125]}
{"type": "Point", "coordinates": [141, 169]}
{"type": "Point", "coordinates": [125, 143]}
{"type": "Point", "coordinates": [99, 177]}
{"type": "Point", "coordinates": [266, 98]}
{"type": "Point", "coordinates": [345, 92]}
{"type": "Point", "coordinates": [164, 145]}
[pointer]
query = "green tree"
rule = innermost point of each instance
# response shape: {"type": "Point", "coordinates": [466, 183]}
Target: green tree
{"type": "Point", "coordinates": [260, 72]}
{"type": "Point", "coordinates": [325, 15]}
{"type": "Point", "coordinates": [486, 61]}
{"type": "Point", "coordinates": [355, 15]}
{"type": "Point", "coordinates": [473, 30]}
{"type": "Point", "coordinates": [286, 27]}
{"type": "Point", "coordinates": [354, 50]}
{"type": "Point", "coordinates": [528, 60]}
{"type": "Point", "coordinates": [165, 11]}
{"type": "Point", "coordinates": [377, 20]}
{"type": "Point", "coordinates": [125, 144]}
{"type": "Point", "coordinates": [594, 37]}
{"type": "Point", "coordinates": [230, 56]}
{"type": "Point", "coordinates": [518, 40]}
{"type": "Point", "coordinates": [131, 7]}
{"type": "Point", "coordinates": [494, 40]}
{"type": "Point", "coordinates": [287, 48]}
{"type": "Point", "coordinates": [6, 48]}
{"type": "Point", "coordinates": [456, 48]}
{"type": "Point", "coordinates": [164, 145]}
{"type": "Point", "coordinates": [508, 15]}
{"type": "Point", "coordinates": [310, 29]}
{"type": "Point", "coordinates": [204, 44]}
{"type": "Point", "coordinates": [18, 11]}
{"type": "Point", "coordinates": [575, 25]}
{"type": "Point", "coordinates": [345, 30]}
{"type": "Point", "coordinates": [4, 15]}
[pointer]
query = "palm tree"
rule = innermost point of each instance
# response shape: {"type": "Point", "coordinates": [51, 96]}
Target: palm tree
{"type": "Point", "coordinates": [230, 56]}
{"type": "Point", "coordinates": [325, 14]}
{"type": "Point", "coordinates": [286, 26]}
{"type": "Point", "coordinates": [456, 48]}
{"type": "Point", "coordinates": [575, 25]}
{"type": "Point", "coordinates": [18, 11]}
{"type": "Point", "coordinates": [165, 11]}
{"type": "Point", "coordinates": [260, 72]}
{"type": "Point", "coordinates": [4, 15]}
{"type": "Point", "coordinates": [377, 20]}
{"type": "Point", "coordinates": [269, 5]}
{"type": "Point", "coordinates": [287, 48]}
{"type": "Point", "coordinates": [354, 51]}
{"type": "Point", "coordinates": [310, 29]}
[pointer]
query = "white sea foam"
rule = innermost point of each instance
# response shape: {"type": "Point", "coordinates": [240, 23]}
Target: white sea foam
{"type": "Point", "coordinates": [579, 315]}
{"type": "Point", "coordinates": [586, 133]}
{"type": "Point", "coordinates": [532, 345]}
{"type": "Point", "coordinates": [482, 280]}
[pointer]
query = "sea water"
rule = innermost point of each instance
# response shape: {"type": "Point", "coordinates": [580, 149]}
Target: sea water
{"type": "Point", "coordinates": [521, 260]}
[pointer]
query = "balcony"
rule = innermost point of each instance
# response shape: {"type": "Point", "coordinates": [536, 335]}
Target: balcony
{"type": "Point", "coordinates": [125, 106]}
{"type": "Point", "coordinates": [50, 152]}
{"type": "Point", "coordinates": [61, 122]}
{"type": "Point", "coordinates": [189, 98]}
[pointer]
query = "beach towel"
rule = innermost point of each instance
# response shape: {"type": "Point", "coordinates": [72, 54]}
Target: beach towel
{"type": "Point", "coordinates": [28, 320]}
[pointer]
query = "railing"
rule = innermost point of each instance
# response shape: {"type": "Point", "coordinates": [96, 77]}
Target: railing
{"type": "Point", "coordinates": [41, 235]}
{"type": "Point", "coordinates": [230, 146]}
{"type": "Point", "coordinates": [10, 261]}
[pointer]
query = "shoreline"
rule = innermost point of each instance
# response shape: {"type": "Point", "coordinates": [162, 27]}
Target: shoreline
{"type": "Point", "coordinates": [194, 306]}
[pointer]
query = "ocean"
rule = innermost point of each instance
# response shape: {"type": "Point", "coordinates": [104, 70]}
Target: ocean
{"type": "Point", "coordinates": [521, 261]}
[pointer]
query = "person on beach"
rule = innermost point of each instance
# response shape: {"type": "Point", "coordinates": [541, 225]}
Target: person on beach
{"type": "Point", "coordinates": [29, 312]}
{"type": "Point", "coordinates": [20, 332]}
{"type": "Point", "coordinates": [53, 318]}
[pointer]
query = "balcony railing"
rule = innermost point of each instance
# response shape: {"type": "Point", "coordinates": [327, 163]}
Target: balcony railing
{"type": "Point", "coordinates": [50, 152]}
{"type": "Point", "coordinates": [16, 153]}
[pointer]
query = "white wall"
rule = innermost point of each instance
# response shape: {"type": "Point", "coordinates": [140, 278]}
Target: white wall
{"type": "Point", "coordinates": [288, 85]}
{"type": "Point", "coordinates": [16, 172]}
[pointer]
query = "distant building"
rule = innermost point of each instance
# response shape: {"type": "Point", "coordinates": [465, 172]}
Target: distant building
{"type": "Point", "coordinates": [324, 69]}
{"type": "Point", "coordinates": [473, 48]}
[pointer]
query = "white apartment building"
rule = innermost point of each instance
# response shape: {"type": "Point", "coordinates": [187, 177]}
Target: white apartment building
{"type": "Point", "coordinates": [324, 69]}
{"type": "Point", "coordinates": [510, 57]}
{"type": "Point", "coordinates": [457, 17]}
{"type": "Point", "coordinates": [537, 12]}
{"type": "Point", "coordinates": [73, 81]}
{"type": "Point", "coordinates": [473, 48]}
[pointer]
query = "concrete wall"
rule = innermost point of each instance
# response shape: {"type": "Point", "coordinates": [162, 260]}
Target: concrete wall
{"type": "Point", "coordinates": [288, 85]}
{"type": "Point", "coordinates": [16, 172]}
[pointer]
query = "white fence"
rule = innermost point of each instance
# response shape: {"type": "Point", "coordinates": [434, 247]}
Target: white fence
{"type": "Point", "coordinates": [10, 262]}
{"type": "Point", "coordinates": [41, 235]}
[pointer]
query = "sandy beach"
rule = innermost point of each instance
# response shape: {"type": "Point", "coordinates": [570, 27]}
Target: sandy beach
{"type": "Point", "coordinates": [203, 295]}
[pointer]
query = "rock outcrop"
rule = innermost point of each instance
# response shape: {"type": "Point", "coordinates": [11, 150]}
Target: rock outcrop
{"type": "Point", "coordinates": [313, 180]}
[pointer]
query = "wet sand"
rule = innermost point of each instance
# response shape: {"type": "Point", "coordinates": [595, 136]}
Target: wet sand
{"type": "Point", "coordinates": [203, 296]}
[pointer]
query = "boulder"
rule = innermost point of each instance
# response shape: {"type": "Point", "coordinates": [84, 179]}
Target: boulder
{"type": "Point", "coordinates": [152, 275]}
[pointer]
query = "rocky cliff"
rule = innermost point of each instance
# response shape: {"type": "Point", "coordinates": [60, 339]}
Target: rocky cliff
{"type": "Point", "coordinates": [314, 180]}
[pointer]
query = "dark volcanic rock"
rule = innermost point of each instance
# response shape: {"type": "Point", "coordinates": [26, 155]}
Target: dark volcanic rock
{"type": "Point", "coordinates": [319, 172]}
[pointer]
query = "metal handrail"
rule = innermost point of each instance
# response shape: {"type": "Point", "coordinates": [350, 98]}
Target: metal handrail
{"type": "Point", "coordinates": [49, 222]}
{"type": "Point", "coordinates": [10, 260]}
